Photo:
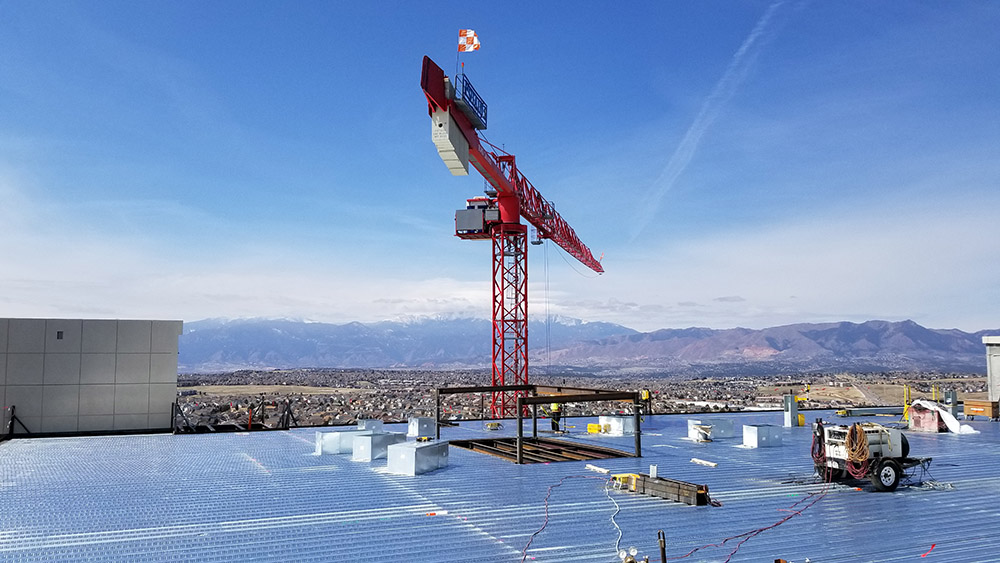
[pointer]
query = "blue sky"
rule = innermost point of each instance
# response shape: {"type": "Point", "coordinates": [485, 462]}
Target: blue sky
{"type": "Point", "coordinates": [737, 164]}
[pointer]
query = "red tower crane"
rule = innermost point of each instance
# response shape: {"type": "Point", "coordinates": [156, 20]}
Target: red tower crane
{"type": "Point", "coordinates": [457, 113]}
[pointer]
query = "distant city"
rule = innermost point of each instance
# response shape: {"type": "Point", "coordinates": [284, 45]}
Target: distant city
{"type": "Point", "coordinates": [235, 370]}
{"type": "Point", "coordinates": [325, 397]}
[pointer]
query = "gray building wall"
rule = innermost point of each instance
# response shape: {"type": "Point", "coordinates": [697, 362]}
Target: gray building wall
{"type": "Point", "coordinates": [65, 375]}
{"type": "Point", "coordinates": [993, 366]}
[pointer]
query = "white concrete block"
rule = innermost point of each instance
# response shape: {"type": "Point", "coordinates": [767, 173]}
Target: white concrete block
{"type": "Point", "coordinates": [27, 399]}
{"type": "Point", "coordinates": [25, 369]}
{"type": "Point", "coordinates": [100, 337]}
{"type": "Point", "coordinates": [159, 420]}
{"type": "Point", "coordinates": [26, 336]}
{"type": "Point", "coordinates": [164, 336]}
{"type": "Point", "coordinates": [161, 396]}
{"type": "Point", "coordinates": [134, 337]}
{"type": "Point", "coordinates": [131, 421]}
{"type": "Point", "coordinates": [98, 423]}
{"type": "Point", "coordinates": [61, 369]}
{"type": "Point", "coordinates": [132, 368]}
{"type": "Point", "coordinates": [131, 399]}
{"type": "Point", "coordinates": [97, 368]}
{"type": "Point", "coordinates": [63, 336]}
{"type": "Point", "coordinates": [59, 424]}
{"type": "Point", "coordinates": [163, 368]}
{"type": "Point", "coordinates": [60, 400]}
{"type": "Point", "coordinates": [97, 400]}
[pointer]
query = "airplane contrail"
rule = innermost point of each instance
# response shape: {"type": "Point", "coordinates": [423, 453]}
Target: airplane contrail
{"type": "Point", "coordinates": [734, 75]}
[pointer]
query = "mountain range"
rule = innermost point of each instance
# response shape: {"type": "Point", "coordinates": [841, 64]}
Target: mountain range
{"type": "Point", "coordinates": [217, 345]}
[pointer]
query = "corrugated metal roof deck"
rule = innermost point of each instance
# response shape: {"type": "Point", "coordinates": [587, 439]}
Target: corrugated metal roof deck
{"type": "Point", "coordinates": [264, 496]}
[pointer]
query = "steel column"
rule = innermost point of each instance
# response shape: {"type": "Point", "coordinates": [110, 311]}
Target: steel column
{"type": "Point", "coordinates": [510, 315]}
{"type": "Point", "coordinates": [437, 414]}
{"type": "Point", "coordinates": [638, 428]}
{"type": "Point", "coordinates": [520, 430]}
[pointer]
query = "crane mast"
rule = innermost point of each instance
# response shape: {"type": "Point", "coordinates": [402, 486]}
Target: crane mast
{"type": "Point", "coordinates": [457, 113]}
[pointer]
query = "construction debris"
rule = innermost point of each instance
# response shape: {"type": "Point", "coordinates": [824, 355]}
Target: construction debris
{"type": "Point", "coordinates": [670, 489]}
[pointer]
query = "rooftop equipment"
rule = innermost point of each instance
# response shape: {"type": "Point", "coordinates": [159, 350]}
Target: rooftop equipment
{"type": "Point", "coordinates": [421, 427]}
{"type": "Point", "coordinates": [373, 424]}
{"type": "Point", "coordinates": [973, 408]}
{"type": "Point", "coordinates": [862, 450]}
{"type": "Point", "coordinates": [617, 425]}
{"type": "Point", "coordinates": [368, 447]}
{"type": "Point", "coordinates": [338, 442]}
{"type": "Point", "coordinates": [761, 436]}
{"type": "Point", "coordinates": [416, 458]}
{"type": "Point", "coordinates": [706, 430]}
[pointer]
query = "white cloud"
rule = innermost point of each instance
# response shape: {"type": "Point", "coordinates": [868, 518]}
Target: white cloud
{"type": "Point", "coordinates": [932, 261]}
{"type": "Point", "coordinates": [61, 263]}
{"type": "Point", "coordinates": [936, 264]}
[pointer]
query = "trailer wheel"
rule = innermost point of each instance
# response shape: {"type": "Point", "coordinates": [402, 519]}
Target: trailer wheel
{"type": "Point", "coordinates": [886, 477]}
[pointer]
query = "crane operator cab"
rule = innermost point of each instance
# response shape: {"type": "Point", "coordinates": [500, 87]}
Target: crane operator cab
{"type": "Point", "coordinates": [475, 220]}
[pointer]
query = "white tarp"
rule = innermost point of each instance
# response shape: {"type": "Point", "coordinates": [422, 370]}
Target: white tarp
{"type": "Point", "coordinates": [950, 421]}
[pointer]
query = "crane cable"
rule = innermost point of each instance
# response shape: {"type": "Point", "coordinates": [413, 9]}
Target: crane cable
{"type": "Point", "coordinates": [545, 522]}
{"type": "Point", "coordinates": [746, 536]}
{"type": "Point", "coordinates": [572, 267]}
{"type": "Point", "coordinates": [607, 491]}
{"type": "Point", "coordinates": [813, 498]}
{"type": "Point", "coordinates": [548, 317]}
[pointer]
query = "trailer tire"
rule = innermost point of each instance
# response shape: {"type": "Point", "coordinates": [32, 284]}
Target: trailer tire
{"type": "Point", "coordinates": [886, 476]}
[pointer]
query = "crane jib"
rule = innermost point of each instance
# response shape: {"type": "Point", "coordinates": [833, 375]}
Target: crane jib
{"type": "Point", "coordinates": [457, 112]}
{"type": "Point", "coordinates": [459, 144]}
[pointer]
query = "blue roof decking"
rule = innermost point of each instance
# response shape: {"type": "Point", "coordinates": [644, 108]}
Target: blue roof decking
{"type": "Point", "coordinates": [265, 497]}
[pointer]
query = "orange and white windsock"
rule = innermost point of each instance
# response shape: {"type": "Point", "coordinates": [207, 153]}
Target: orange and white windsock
{"type": "Point", "coordinates": [467, 40]}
